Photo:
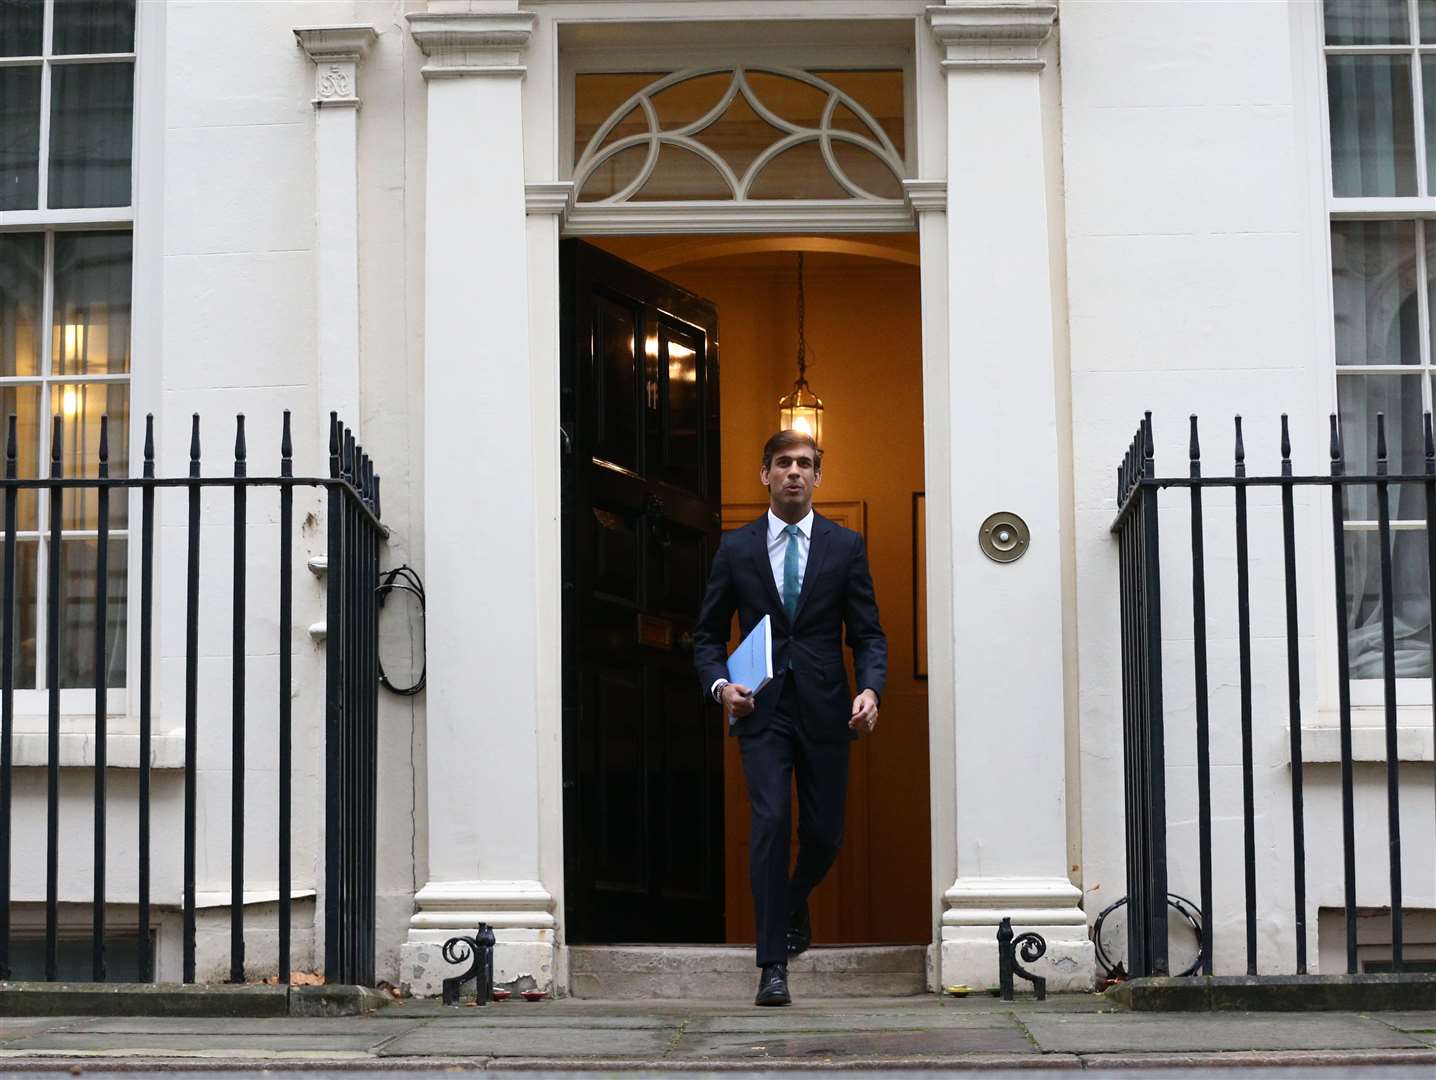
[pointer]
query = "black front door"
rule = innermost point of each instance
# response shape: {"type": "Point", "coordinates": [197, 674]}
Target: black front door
{"type": "Point", "coordinates": [643, 754]}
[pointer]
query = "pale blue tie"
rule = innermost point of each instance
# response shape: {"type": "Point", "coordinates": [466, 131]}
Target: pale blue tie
{"type": "Point", "coordinates": [790, 572]}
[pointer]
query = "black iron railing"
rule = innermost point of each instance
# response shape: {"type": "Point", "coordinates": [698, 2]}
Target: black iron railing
{"type": "Point", "coordinates": [355, 537]}
{"type": "Point", "coordinates": [1137, 528]}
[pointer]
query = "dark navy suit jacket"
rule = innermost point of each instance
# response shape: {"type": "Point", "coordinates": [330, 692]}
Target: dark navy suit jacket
{"type": "Point", "coordinates": [837, 593]}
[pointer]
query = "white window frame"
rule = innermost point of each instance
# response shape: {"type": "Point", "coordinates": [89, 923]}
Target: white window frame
{"type": "Point", "coordinates": [77, 704]}
{"type": "Point", "coordinates": [1367, 695]}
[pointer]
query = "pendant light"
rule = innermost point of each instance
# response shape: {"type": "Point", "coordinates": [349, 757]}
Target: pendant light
{"type": "Point", "coordinates": [801, 410]}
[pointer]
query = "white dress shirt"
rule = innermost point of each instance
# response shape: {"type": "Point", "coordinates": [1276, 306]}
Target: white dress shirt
{"type": "Point", "coordinates": [778, 547]}
{"type": "Point", "coordinates": [777, 555]}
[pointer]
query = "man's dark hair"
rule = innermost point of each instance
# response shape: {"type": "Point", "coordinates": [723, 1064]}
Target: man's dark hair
{"type": "Point", "coordinates": [786, 440]}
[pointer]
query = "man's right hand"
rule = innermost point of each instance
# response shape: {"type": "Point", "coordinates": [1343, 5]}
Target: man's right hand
{"type": "Point", "coordinates": [737, 700]}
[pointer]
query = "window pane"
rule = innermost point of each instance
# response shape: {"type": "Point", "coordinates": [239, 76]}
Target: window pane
{"type": "Point", "coordinates": [1359, 398]}
{"type": "Point", "coordinates": [81, 405]}
{"type": "Point", "coordinates": [1373, 284]}
{"type": "Point", "coordinates": [1372, 137]}
{"type": "Point", "coordinates": [26, 612]}
{"type": "Point", "coordinates": [1410, 608]}
{"type": "Point", "coordinates": [1366, 22]}
{"type": "Point", "coordinates": [22, 23]}
{"type": "Point", "coordinates": [19, 137]}
{"type": "Point", "coordinates": [91, 110]}
{"type": "Point", "coordinates": [22, 268]}
{"type": "Point", "coordinates": [94, 26]}
{"type": "Point", "coordinates": [1428, 108]}
{"type": "Point", "coordinates": [91, 331]}
{"type": "Point", "coordinates": [1427, 11]}
{"type": "Point", "coordinates": [77, 613]}
{"type": "Point", "coordinates": [24, 403]}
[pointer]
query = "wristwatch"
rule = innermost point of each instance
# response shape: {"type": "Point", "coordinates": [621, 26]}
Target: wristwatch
{"type": "Point", "coordinates": [717, 690]}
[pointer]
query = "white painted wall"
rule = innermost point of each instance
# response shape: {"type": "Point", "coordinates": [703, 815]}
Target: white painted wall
{"type": "Point", "coordinates": [225, 323]}
{"type": "Point", "coordinates": [1195, 246]}
{"type": "Point", "coordinates": [1196, 273]}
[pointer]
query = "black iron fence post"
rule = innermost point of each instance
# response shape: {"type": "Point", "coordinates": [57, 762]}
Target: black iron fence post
{"type": "Point", "coordinates": [1137, 532]}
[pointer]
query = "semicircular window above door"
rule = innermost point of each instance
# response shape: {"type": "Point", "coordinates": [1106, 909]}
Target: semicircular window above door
{"type": "Point", "coordinates": [750, 133]}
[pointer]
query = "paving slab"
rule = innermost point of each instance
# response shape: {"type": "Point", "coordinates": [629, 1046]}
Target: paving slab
{"type": "Point", "coordinates": [237, 1044]}
{"type": "Point", "coordinates": [1408, 1021]}
{"type": "Point", "coordinates": [1213, 1033]}
{"type": "Point", "coordinates": [558, 1041]}
{"type": "Point", "coordinates": [489, 1019]}
{"type": "Point", "coordinates": [15, 1027]}
{"type": "Point", "coordinates": [797, 1019]}
{"type": "Point", "coordinates": [864, 1044]}
{"type": "Point", "coordinates": [204, 1025]}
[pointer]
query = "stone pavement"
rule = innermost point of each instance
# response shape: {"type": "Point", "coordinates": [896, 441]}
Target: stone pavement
{"type": "Point", "coordinates": [1072, 1031]}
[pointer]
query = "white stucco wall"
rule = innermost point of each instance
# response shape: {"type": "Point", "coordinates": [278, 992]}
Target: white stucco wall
{"type": "Point", "coordinates": [226, 323]}
{"type": "Point", "coordinates": [1198, 283]}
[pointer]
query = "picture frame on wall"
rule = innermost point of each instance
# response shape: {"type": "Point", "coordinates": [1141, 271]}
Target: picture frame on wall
{"type": "Point", "coordinates": [919, 585]}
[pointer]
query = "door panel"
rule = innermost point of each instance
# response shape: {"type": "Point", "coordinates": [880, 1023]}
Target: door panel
{"type": "Point", "coordinates": [643, 752]}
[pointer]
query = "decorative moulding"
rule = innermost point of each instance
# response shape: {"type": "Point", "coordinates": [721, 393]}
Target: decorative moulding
{"type": "Point", "coordinates": [336, 52]}
{"type": "Point", "coordinates": [1032, 901]}
{"type": "Point", "coordinates": [777, 215]}
{"type": "Point", "coordinates": [445, 905]}
{"type": "Point", "coordinates": [982, 34]}
{"type": "Point", "coordinates": [471, 43]}
{"type": "Point", "coordinates": [925, 195]}
{"type": "Point", "coordinates": [554, 198]}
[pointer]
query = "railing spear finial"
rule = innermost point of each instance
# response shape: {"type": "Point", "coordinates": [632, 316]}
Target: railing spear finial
{"type": "Point", "coordinates": [194, 445]}
{"type": "Point", "coordinates": [149, 469]}
{"type": "Point", "coordinates": [1240, 451]}
{"type": "Point", "coordinates": [57, 432]}
{"type": "Point", "coordinates": [1194, 448]}
{"type": "Point", "coordinates": [104, 445]}
{"type": "Point", "coordinates": [241, 451]}
{"type": "Point", "coordinates": [1381, 444]}
{"type": "Point", "coordinates": [1149, 467]}
{"type": "Point", "coordinates": [1336, 453]}
{"type": "Point", "coordinates": [378, 513]}
{"type": "Point", "coordinates": [1430, 443]}
{"type": "Point", "coordinates": [1285, 446]}
{"type": "Point", "coordinates": [286, 449]}
{"type": "Point", "coordinates": [334, 445]}
{"type": "Point", "coordinates": [10, 446]}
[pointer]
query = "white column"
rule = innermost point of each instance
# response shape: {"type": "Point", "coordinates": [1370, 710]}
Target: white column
{"type": "Point", "coordinates": [480, 511]}
{"type": "Point", "coordinates": [336, 52]}
{"type": "Point", "coordinates": [1007, 679]}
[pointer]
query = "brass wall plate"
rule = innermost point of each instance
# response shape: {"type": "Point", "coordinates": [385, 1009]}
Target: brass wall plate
{"type": "Point", "coordinates": [1004, 537]}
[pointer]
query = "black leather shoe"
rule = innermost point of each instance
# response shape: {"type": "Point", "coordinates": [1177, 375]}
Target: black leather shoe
{"type": "Point", "coordinates": [773, 986]}
{"type": "Point", "coordinates": [800, 932]}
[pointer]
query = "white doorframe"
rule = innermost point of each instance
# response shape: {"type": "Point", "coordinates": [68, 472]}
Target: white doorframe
{"type": "Point", "coordinates": [551, 214]}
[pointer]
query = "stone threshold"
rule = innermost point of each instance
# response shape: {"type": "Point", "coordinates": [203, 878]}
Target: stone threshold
{"type": "Point", "coordinates": [173, 999]}
{"type": "Point", "coordinates": [1277, 993]}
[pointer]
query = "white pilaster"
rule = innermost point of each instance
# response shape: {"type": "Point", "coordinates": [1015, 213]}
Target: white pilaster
{"type": "Point", "coordinates": [1007, 678]}
{"type": "Point", "coordinates": [336, 52]}
{"type": "Point", "coordinates": [480, 510]}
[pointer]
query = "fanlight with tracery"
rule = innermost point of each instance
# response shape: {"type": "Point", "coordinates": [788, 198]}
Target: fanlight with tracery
{"type": "Point", "coordinates": [770, 133]}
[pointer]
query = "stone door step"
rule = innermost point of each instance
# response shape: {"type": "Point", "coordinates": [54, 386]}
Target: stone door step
{"type": "Point", "coordinates": [631, 972]}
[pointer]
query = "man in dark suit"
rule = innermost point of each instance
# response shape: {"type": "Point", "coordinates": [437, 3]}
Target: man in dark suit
{"type": "Point", "coordinates": [811, 576]}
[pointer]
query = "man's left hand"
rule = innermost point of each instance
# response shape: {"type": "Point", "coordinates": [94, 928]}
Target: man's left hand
{"type": "Point", "coordinates": [865, 712]}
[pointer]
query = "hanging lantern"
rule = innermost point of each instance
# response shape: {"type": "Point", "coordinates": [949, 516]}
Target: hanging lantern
{"type": "Point", "coordinates": [801, 409]}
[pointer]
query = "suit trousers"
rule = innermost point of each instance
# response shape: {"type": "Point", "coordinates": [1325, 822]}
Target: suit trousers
{"type": "Point", "coordinates": [771, 758]}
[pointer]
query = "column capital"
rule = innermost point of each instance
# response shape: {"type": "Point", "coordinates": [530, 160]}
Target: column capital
{"type": "Point", "coordinates": [551, 198]}
{"type": "Point", "coordinates": [471, 43]}
{"type": "Point", "coordinates": [336, 52]}
{"type": "Point", "coordinates": [925, 196]}
{"type": "Point", "coordinates": [992, 34]}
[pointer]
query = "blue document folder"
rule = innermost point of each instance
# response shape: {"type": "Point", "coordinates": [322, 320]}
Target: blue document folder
{"type": "Point", "coordinates": [751, 664]}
